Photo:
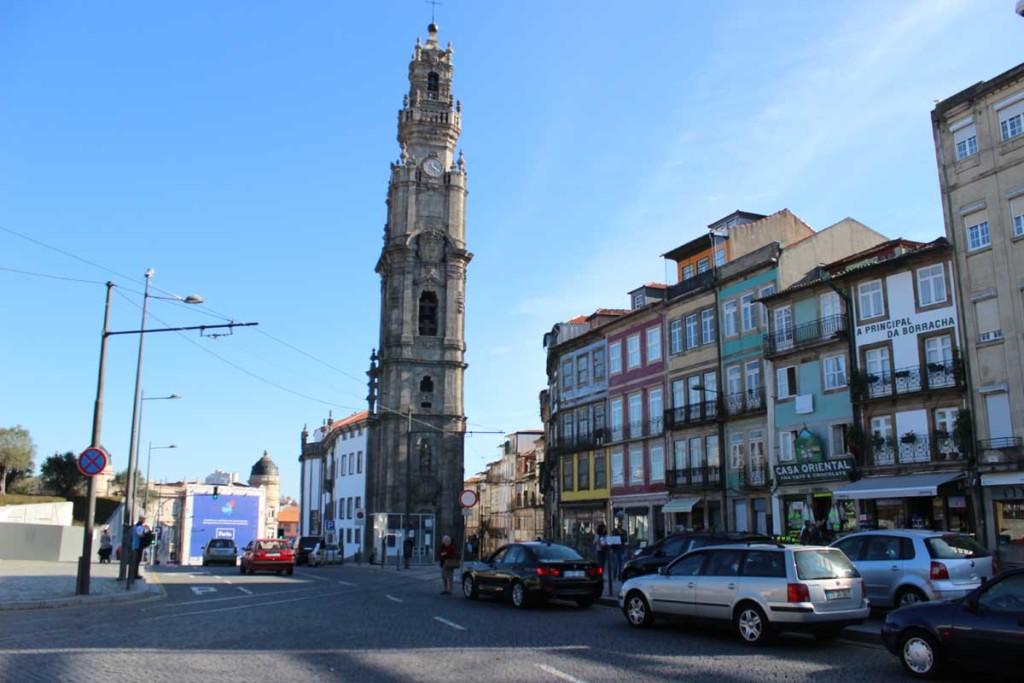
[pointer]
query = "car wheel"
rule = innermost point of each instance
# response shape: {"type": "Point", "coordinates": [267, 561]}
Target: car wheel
{"type": "Point", "coordinates": [919, 655]}
{"type": "Point", "coordinates": [909, 596]}
{"type": "Point", "coordinates": [751, 624]}
{"type": "Point", "coordinates": [469, 587]}
{"type": "Point", "coordinates": [638, 612]}
{"type": "Point", "coordinates": [518, 595]}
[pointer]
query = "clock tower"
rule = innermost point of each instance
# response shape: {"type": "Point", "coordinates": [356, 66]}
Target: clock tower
{"type": "Point", "coordinates": [416, 391]}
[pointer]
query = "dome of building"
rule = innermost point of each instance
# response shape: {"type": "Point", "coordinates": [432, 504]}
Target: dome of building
{"type": "Point", "coordinates": [264, 467]}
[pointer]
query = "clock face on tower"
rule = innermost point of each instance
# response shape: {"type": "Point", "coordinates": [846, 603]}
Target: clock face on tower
{"type": "Point", "coordinates": [433, 167]}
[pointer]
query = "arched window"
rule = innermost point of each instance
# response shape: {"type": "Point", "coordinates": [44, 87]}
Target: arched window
{"type": "Point", "coordinates": [427, 385]}
{"type": "Point", "coordinates": [433, 83]}
{"type": "Point", "coordinates": [428, 314]}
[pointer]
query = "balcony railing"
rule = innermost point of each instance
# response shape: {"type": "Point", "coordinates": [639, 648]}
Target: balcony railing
{"type": "Point", "coordinates": [691, 283]}
{"type": "Point", "coordinates": [1003, 451]}
{"type": "Point", "coordinates": [655, 425]}
{"type": "Point", "coordinates": [754, 476]}
{"type": "Point", "coordinates": [699, 477]}
{"type": "Point", "coordinates": [635, 429]}
{"type": "Point", "coordinates": [807, 334]}
{"type": "Point", "coordinates": [693, 414]}
{"type": "Point", "coordinates": [750, 401]}
{"type": "Point", "coordinates": [579, 442]}
{"type": "Point", "coordinates": [912, 450]}
{"type": "Point", "coordinates": [916, 378]}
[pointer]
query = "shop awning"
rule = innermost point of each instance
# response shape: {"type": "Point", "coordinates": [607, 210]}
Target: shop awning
{"type": "Point", "coordinates": [683, 504]}
{"type": "Point", "coordinates": [1003, 479]}
{"type": "Point", "coordinates": [908, 486]}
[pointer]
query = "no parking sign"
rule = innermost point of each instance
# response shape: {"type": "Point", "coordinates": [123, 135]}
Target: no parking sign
{"type": "Point", "coordinates": [92, 461]}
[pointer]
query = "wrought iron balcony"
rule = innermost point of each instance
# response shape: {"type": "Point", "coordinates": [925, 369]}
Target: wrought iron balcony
{"type": "Point", "coordinates": [655, 425]}
{"type": "Point", "coordinates": [635, 429]}
{"type": "Point", "coordinates": [691, 284]}
{"type": "Point", "coordinates": [754, 476]}
{"type": "Point", "coordinates": [906, 450]}
{"type": "Point", "coordinates": [693, 414]}
{"type": "Point", "coordinates": [911, 380]}
{"type": "Point", "coordinates": [694, 477]}
{"type": "Point", "coordinates": [805, 335]}
{"type": "Point", "coordinates": [581, 441]}
{"type": "Point", "coordinates": [750, 401]}
{"type": "Point", "coordinates": [1003, 451]}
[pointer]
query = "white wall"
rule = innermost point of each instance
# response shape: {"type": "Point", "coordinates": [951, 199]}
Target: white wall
{"type": "Point", "coordinates": [58, 514]}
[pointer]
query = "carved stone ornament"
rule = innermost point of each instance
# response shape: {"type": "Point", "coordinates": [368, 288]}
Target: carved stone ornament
{"type": "Point", "coordinates": [431, 247]}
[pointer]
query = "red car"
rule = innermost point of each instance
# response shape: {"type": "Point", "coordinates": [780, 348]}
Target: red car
{"type": "Point", "coordinates": [268, 554]}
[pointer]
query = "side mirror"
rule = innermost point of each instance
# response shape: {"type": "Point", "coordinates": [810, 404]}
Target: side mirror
{"type": "Point", "coordinates": [661, 571]}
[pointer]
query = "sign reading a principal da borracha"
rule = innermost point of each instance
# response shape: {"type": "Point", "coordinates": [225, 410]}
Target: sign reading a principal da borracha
{"type": "Point", "coordinates": [804, 471]}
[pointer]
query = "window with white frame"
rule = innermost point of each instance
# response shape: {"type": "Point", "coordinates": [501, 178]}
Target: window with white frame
{"type": "Point", "coordinates": [733, 382]}
{"type": "Point", "coordinates": [737, 453]}
{"type": "Point", "coordinates": [749, 312]}
{"type": "Point", "coordinates": [359, 462]}
{"type": "Point", "coordinates": [752, 372]}
{"type": "Point", "coordinates": [344, 464]}
{"type": "Point", "coordinates": [786, 445]}
{"type": "Point", "coordinates": [829, 305]}
{"type": "Point", "coordinates": [835, 372]}
{"type": "Point", "coordinates": [1017, 216]}
{"type": "Point", "coordinates": [965, 138]}
{"type": "Point", "coordinates": [351, 464]}
{"type": "Point", "coordinates": [767, 290]}
{"type": "Point", "coordinates": [678, 393]}
{"type": "Point", "coordinates": [703, 265]}
{"type": "Point", "coordinates": [598, 364]}
{"type": "Point", "coordinates": [730, 311]}
{"type": "Point", "coordinates": [785, 382]}
{"type": "Point", "coordinates": [783, 327]}
{"type": "Point", "coordinates": [945, 422]}
{"type": "Point", "coordinates": [1011, 118]}
{"type": "Point", "coordinates": [636, 464]}
{"type": "Point", "coordinates": [567, 471]}
{"type": "Point", "coordinates": [837, 439]}
{"type": "Point", "coordinates": [582, 369]}
{"type": "Point", "coordinates": [679, 454]}
{"type": "Point", "coordinates": [986, 313]}
{"type": "Point", "coordinates": [638, 301]}
{"type": "Point", "coordinates": [719, 257]}
{"type": "Point", "coordinates": [567, 373]}
{"type": "Point", "coordinates": [633, 351]}
{"type": "Point", "coordinates": [655, 410]}
{"type": "Point", "coordinates": [711, 451]}
{"type": "Point", "coordinates": [692, 332]}
{"type": "Point", "coordinates": [615, 357]}
{"type": "Point", "coordinates": [675, 336]}
{"type": "Point", "coordinates": [977, 234]}
{"type": "Point", "coordinates": [653, 344]}
{"type": "Point", "coordinates": [931, 285]}
{"type": "Point", "coordinates": [657, 455]}
{"type": "Point", "coordinates": [707, 326]}
{"type": "Point", "coordinates": [687, 272]}
{"type": "Point", "coordinates": [583, 423]}
{"type": "Point", "coordinates": [616, 418]}
{"type": "Point", "coordinates": [696, 454]}
{"type": "Point", "coordinates": [870, 300]}
{"type": "Point", "coordinates": [636, 415]}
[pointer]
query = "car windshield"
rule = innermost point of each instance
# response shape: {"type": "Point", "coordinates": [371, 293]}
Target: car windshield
{"type": "Point", "coordinates": [273, 545]}
{"type": "Point", "coordinates": [954, 547]}
{"type": "Point", "coordinates": [554, 553]}
{"type": "Point", "coordinates": [823, 563]}
{"type": "Point", "coordinates": [220, 543]}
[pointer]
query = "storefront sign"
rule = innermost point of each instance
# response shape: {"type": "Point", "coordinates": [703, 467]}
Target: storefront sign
{"type": "Point", "coordinates": [1007, 492]}
{"type": "Point", "coordinates": [810, 471]}
{"type": "Point", "coordinates": [903, 327]}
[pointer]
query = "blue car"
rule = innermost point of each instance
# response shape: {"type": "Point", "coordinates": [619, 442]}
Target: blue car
{"type": "Point", "coordinates": [984, 630]}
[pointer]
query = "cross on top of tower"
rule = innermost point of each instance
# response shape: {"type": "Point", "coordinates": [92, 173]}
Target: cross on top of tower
{"type": "Point", "coordinates": [433, 5]}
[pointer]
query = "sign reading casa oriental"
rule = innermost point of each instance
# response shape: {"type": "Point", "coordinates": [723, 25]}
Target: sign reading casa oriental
{"type": "Point", "coordinates": [905, 327]}
{"type": "Point", "coordinates": [839, 468]}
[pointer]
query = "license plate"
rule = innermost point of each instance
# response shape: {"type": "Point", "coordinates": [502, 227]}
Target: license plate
{"type": "Point", "coordinates": [843, 594]}
{"type": "Point", "coordinates": [574, 574]}
{"type": "Point", "coordinates": [273, 554]}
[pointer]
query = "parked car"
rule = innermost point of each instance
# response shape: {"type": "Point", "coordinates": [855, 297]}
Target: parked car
{"type": "Point", "coordinates": [220, 550]}
{"type": "Point", "coordinates": [324, 554]}
{"type": "Point", "coordinates": [304, 545]}
{"type": "Point", "coordinates": [268, 554]}
{"type": "Point", "coordinates": [906, 566]}
{"type": "Point", "coordinates": [984, 630]}
{"type": "Point", "coordinates": [759, 588]}
{"type": "Point", "coordinates": [649, 559]}
{"type": "Point", "coordinates": [525, 572]}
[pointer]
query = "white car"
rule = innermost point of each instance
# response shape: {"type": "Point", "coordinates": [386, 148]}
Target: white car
{"type": "Point", "coordinates": [324, 554]}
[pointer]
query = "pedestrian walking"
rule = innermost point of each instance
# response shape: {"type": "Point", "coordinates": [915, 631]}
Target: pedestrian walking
{"type": "Point", "coordinates": [601, 545]}
{"type": "Point", "coordinates": [449, 561]}
{"type": "Point", "coordinates": [141, 538]}
{"type": "Point", "coordinates": [805, 535]}
{"type": "Point", "coordinates": [407, 550]}
{"type": "Point", "coordinates": [619, 550]}
{"type": "Point", "coordinates": [106, 546]}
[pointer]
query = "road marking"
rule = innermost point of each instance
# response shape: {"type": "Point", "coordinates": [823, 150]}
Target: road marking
{"type": "Point", "coordinates": [199, 590]}
{"type": "Point", "coordinates": [346, 583]}
{"type": "Point", "coordinates": [392, 598]}
{"type": "Point", "coordinates": [244, 590]}
{"type": "Point", "coordinates": [558, 674]}
{"type": "Point", "coordinates": [319, 596]}
{"type": "Point", "coordinates": [450, 623]}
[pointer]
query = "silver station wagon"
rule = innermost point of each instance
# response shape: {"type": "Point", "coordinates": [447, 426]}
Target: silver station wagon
{"type": "Point", "coordinates": [758, 588]}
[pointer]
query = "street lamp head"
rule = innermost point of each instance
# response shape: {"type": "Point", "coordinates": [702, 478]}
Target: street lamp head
{"type": "Point", "coordinates": [174, 396]}
{"type": "Point", "coordinates": [193, 299]}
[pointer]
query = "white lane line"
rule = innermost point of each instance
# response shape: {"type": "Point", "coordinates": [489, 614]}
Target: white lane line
{"type": "Point", "coordinates": [558, 674]}
{"type": "Point", "coordinates": [450, 623]}
{"type": "Point", "coordinates": [244, 590]}
{"type": "Point", "coordinates": [392, 598]}
{"type": "Point", "coordinates": [346, 583]}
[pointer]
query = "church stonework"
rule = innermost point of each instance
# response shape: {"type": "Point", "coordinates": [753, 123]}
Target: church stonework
{"type": "Point", "coordinates": [416, 385]}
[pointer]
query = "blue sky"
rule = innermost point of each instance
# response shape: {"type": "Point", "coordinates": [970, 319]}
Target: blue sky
{"type": "Point", "coordinates": [241, 149]}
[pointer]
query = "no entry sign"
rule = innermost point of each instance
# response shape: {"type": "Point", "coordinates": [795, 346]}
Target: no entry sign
{"type": "Point", "coordinates": [92, 461]}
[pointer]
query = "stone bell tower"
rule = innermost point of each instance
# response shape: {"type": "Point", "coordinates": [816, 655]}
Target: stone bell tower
{"type": "Point", "coordinates": [417, 449]}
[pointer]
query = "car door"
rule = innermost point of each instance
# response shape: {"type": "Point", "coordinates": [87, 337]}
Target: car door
{"type": "Point", "coordinates": [486, 574]}
{"type": "Point", "coordinates": [673, 593]}
{"type": "Point", "coordinates": [507, 570]}
{"type": "Point", "coordinates": [876, 557]}
{"type": "Point", "coordinates": [989, 629]}
{"type": "Point", "coordinates": [717, 584]}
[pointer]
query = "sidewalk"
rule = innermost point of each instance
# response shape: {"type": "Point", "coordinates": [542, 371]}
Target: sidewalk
{"type": "Point", "coordinates": [26, 584]}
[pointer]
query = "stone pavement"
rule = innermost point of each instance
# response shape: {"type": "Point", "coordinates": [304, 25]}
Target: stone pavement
{"type": "Point", "coordinates": [27, 584]}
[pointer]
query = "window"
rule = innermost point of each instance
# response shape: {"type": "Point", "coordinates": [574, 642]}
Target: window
{"type": "Point", "coordinates": [679, 454]}
{"type": "Point", "coordinates": [987, 320]}
{"type": "Point", "coordinates": [599, 419]}
{"type": "Point", "coordinates": [615, 357]}
{"type": "Point", "coordinates": [636, 464]}
{"type": "Point", "coordinates": [977, 236]}
{"type": "Point", "coordinates": [428, 314]}
{"type": "Point", "coordinates": [837, 439]}
{"type": "Point", "coordinates": [582, 370]}
{"type": "Point", "coordinates": [598, 365]}
{"type": "Point", "coordinates": [938, 350]}
{"type": "Point", "coordinates": [785, 381]}
{"type": "Point", "coordinates": [678, 393]}
{"type": "Point", "coordinates": [1017, 216]}
{"type": "Point", "coordinates": [965, 138]}
{"type": "Point", "coordinates": [931, 285]}
{"type": "Point", "coordinates": [707, 326]}
{"type": "Point", "coordinates": [1003, 598]}
{"type": "Point", "coordinates": [732, 322]}
{"type": "Point", "coordinates": [719, 257]}
{"type": "Point", "coordinates": [783, 327]}
{"type": "Point", "coordinates": [763, 292]}
{"type": "Point", "coordinates": [675, 336]}
{"type": "Point", "coordinates": [945, 421]}
{"type": "Point", "coordinates": [636, 416]}
{"type": "Point", "coordinates": [703, 265]}
{"type": "Point", "coordinates": [755, 444]}
{"type": "Point", "coordinates": [567, 474]}
{"type": "Point", "coordinates": [1011, 120]}
{"type": "Point", "coordinates": [736, 451]}
{"type": "Point", "coordinates": [753, 376]}
{"type": "Point", "coordinates": [765, 563]}
{"type": "Point", "coordinates": [687, 272]}
{"type": "Point", "coordinates": [600, 475]}
{"type": "Point", "coordinates": [711, 444]}
{"type": "Point", "coordinates": [692, 338]}
{"type": "Point", "coordinates": [696, 455]}
{"type": "Point", "coordinates": [638, 301]}
{"type": "Point", "coordinates": [881, 430]}
{"type": "Point", "coordinates": [657, 462]}
{"type": "Point", "coordinates": [616, 418]}
{"type": "Point", "coordinates": [432, 85]}
{"type": "Point", "coordinates": [633, 351]}
{"type": "Point", "coordinates": [617, 473]}
{"type": "Point", "coordinates": [359, 462]}
{"type": "Point", "coordinates": [869, 299]}
{"type": "Point", "coordinates": [829, 305]}
{"type": "Point", "coordinates": [653, 344]}
{"type": "Point", "coordinates": [351, 463]}
{"type": "Point", "coordinates": [749, 311]}
{"type": "Point", "coordinates": [786, 451]}
{"type": "Point", "coordinates": [583, 423]}
{"type": "Point", "coordinates": [348, 509]}
{"type": "Point", "coordinates": [567, 373]}
{"type": "Point", "coordinates": [733, 385]}
{"type": "Point", "coordinates": [655, 410]}
{"type": "Point", "coordinates": [583, 473]}
{"type": "Point", "coordinates": [835, 372]}
{"type": "Point", "coordinates": [344, 463]}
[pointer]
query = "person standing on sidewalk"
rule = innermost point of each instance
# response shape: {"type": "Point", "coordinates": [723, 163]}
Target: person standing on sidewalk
{"type": "Point", "coordinates": [141, 538]}
{"type": "Point", "coordinates": [407, 549]}
{"type": "Point", "coordinates": [449, 561]}
{"type": "Point", "coordinates": [106, 546]}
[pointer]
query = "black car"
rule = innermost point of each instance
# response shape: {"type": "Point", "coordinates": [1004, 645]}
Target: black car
{"type": "Point", "coordinates": [648, 560]}
{"type": "Point", "coordinates": [526, 572]}
{"type": "Point", "coordinates": [983, 630]}
{"type": "Point", "coordinates": [304, 546]}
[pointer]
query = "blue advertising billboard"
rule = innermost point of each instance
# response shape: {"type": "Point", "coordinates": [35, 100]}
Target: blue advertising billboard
{"type": "Point", "coordinates": [234, 517]}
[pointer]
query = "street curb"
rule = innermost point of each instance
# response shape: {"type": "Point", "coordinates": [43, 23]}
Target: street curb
{"type": "Point", "coordinates": [152, 591]}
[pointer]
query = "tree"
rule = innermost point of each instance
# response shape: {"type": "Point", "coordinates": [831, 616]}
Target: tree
{"type": "Point", "coordinates": [61, 474]}
{"type": "Point", "coordinates": [16, 452]}
{"type": "Point", "coordinates": [121, 481]}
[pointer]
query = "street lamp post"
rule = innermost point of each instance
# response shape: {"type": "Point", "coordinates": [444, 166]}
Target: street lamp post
{"type": "Point", "coordinates": [149, 456]}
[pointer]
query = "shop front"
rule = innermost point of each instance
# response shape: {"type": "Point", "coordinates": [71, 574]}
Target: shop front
{"type": "Point", "coordinates": [641, 517]}
{"type": "Point", "coordinates": [937, 501]}
{"type": "Point", "coordinates": [1004, 505]}
{"type": "Point", "coordinates": [692, 513]}
{"type": "Point", "coordinates": [579, 524]}
{"type": "Point", "coordinates": [804, 494]}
